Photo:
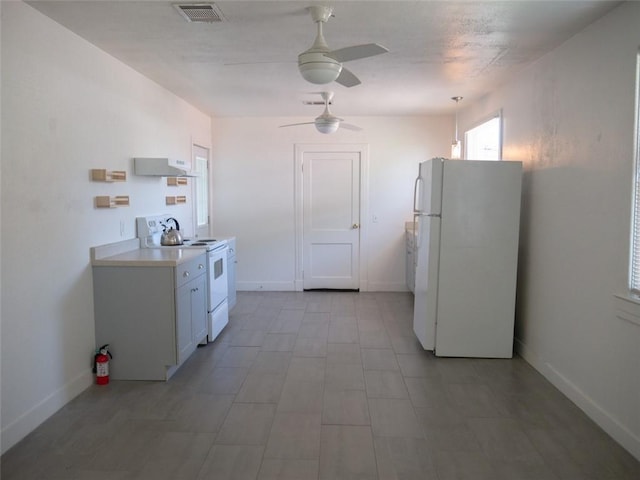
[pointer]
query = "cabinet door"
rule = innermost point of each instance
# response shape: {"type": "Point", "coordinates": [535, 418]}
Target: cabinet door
{"type": "Point", "coordinates": [199, 309]}
{"type": "Point", "coordinates": [410, 270]}
{"type": "Point", "coordinates": [410, 262]}
{"type": "Point", "coordinates": [184, 331]}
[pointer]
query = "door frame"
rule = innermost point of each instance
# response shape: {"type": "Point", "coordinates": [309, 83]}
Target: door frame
{"type": "Point", "coordinates": [299, 151]}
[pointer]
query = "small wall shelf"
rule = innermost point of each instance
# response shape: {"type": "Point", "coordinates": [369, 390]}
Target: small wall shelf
{"type": "Point", "coordinates": [103, 175]}
{"type": "Point", "coordinates": [112, 202]}
{"type": "Point", "coordinates": [180, 199]}
{"type": "Point", "coordinates": [176, 181]}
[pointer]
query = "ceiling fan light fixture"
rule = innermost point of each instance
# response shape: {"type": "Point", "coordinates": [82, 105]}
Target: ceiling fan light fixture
{"type": "Point", "coordinates": [327, 126]}
{"type": "Point", "coordinates": [317, 68]}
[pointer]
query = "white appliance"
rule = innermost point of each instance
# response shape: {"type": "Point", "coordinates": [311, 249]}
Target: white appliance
{"type": "Point", "coordinates": [217, 305]}
{"type": "Point", "coordinates": [150, 231]}
{"type": "Point", "coordinates": [162, 167]}
{"type": "Point", "coordinates": [231, 272]}
{"type": "Point", "coordinates": [468, 218]}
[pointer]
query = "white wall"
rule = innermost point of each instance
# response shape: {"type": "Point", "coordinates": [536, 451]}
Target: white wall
{"type": "Point", "coordinates": [68, 107]}
{"type": "Point", "coordinates": [253, 190]}
{"type": "Point", "coordinates": [570, 119]}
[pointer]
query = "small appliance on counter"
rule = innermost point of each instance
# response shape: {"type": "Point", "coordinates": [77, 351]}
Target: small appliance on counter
{"type": "Point", "coordinates": [152, 229]}
{"type": "Point", "coordinates": [171, 236]}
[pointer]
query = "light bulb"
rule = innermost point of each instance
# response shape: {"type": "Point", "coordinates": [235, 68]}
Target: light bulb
{"type": "Point", "coordinates": [456, 149]}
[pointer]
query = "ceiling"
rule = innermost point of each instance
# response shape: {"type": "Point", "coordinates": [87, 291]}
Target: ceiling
{"type": "Point", "coordinates": [246, 64]}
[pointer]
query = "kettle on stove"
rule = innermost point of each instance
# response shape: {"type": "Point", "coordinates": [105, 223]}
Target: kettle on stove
{"type": "Point", "coordinates": [171, 236]}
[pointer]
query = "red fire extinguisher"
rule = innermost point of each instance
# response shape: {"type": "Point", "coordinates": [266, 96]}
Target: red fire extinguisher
{"type": "Point", "coordinates": [101, 364]}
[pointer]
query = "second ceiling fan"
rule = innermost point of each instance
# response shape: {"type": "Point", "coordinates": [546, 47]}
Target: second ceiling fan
{"type": "Point", "coordinates": [327, 122]}
{"type": "Point", "coordinates": [320, 65]}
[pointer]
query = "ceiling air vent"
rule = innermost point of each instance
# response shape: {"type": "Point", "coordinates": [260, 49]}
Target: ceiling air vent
{"type": "Point", "coordinates": [315, 102]}
{"type": "Point", "coordinates": [199, 12]}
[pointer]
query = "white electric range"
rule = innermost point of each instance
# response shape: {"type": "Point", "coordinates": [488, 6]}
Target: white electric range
{"type": "Point", "coordinates": [150, 230]}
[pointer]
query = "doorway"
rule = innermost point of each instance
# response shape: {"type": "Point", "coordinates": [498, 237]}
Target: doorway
{"type": "Point", "coordinates": [331, 192]}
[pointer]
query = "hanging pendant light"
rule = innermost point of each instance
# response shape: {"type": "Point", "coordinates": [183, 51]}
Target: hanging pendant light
{"type": "Point", "coordinates": [456, 146]}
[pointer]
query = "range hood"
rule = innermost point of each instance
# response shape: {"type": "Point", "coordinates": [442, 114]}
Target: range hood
{"type": "Point", "coordinates": [161, 167]}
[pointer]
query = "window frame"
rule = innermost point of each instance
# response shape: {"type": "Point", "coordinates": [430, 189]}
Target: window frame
{"type": "Point", "coordinates": [634, 241]}
{"type": "Point", "coordinates": [487, 118]}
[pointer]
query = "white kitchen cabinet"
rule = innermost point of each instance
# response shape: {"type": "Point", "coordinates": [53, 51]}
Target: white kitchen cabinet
{"type": "Point", "coordinates": [411, 259]}
{"type": "Point", "coordinates": [191, 316]}
{"type": "Point", "coordinates": [152, 317]}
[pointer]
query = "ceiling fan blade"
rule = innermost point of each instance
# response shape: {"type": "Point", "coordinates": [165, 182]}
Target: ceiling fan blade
{"type": "Point", "coordinates": [237, 64]}
{"type": "Point", "coordinates": [347, 78]}
{"type": "Point", "coordinates": [357, 51]}
{"type": "Point", "coordinates": [348, 126]}
{"type": "Point", "coordinates": [296, 124]}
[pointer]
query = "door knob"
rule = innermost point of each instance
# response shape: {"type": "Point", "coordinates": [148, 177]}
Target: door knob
{"type": "Point", "coordinates": [355, 226]}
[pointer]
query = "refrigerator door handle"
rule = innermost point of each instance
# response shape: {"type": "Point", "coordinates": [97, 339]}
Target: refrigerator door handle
{"type": "Point", "coordinates": [415, 194]}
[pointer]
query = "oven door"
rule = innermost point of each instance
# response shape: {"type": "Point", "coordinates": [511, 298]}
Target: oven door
{"type": "Point", "coordinates": [218, 287]}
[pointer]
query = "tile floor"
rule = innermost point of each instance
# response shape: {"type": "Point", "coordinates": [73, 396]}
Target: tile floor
{"type": "Point", "coordinates": [321, 385]}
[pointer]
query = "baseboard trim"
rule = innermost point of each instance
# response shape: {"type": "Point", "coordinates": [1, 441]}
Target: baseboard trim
{"type": "Point", "coordinates": [266, 286]}
{"type": "Point", "coordinates": [34, 417]}
{"type": "Point", "coordinates": [298, 286]}
{"type": "Point", "coordinates": [599, 415]}
{"type": "Point", "coordinates": [387, 287]}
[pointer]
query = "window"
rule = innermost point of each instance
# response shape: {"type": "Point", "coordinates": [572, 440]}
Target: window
{"type": "Point", "coordinates": [201, 181]}
{"type": "Point", "coordinates": [484, 141]}
{"type": "Point", "coordinates": [634, 268]}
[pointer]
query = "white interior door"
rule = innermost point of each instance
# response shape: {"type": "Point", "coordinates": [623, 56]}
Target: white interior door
{"type": "Point", "coordinates": [331, 219]}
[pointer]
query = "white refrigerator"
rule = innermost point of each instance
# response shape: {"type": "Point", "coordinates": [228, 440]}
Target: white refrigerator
{"type": "Point", "coordinates": [468, 217]}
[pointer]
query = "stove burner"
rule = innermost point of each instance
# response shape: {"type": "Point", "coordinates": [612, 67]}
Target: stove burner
{"type": "Point", "coordinates": [206, 240]}
{"type": "Point", "coordinates": [198, 244]}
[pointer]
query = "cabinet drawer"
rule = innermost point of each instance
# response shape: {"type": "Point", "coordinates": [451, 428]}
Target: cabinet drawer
{"type": "Point", "coordinates": [186, 272]}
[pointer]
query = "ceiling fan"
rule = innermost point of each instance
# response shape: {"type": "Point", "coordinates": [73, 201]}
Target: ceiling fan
{"type": "Point", "coordinates": [327, 122]}
{"type": "Point", "coordinates": [319, 64]}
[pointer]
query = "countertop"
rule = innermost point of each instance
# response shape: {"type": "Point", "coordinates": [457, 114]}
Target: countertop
{"type": "Point", "coordinates": [125, 254]}
{"type": "Point", "coordinates": [149, 257]}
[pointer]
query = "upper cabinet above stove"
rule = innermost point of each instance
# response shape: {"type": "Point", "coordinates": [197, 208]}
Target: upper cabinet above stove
{"type": "Point", "coordinates": [162, 167]}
